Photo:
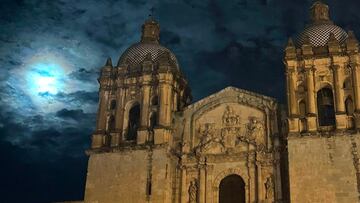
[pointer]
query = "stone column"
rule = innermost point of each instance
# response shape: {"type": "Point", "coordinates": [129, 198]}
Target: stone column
{"type": "Point", "coordinates": [260, 187]}
{"type": "Point", "coordinates": [252, 170]}
{"type": "Point", "coordinates": [202, 192]}
{"type": "Point", "coordinates": [311, 105]}
{"type": "Point", "coordinates": [101, 120]}
{"type": "Point", "coordinates": [356, 79]}
{"type": "Point", "coordinates": [339, 92]}
{"type": "Point", "coordinates": [292, 103]}
{"type": "Point", "coordinates": [291, 80]}
{"type": "Point", "coordinates": [165, 104]}
{"type": "Point", "coordinates": [145, 106]}
{"type": "Point", "coordinates": [341, 118]}
{"type": "Point", "coordinates": [183, 185]}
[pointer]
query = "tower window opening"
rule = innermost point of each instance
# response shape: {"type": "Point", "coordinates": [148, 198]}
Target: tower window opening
{"type": "Point", "coordinates": [134, 121]}
{"type": "Point", "coordinates": [325, 104]}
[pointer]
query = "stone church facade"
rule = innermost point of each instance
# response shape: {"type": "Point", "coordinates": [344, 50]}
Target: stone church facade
{"type": "Point", "coordinates": [152, 144]}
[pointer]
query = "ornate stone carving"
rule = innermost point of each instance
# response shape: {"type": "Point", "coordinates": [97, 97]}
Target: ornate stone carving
{"type": "Point", "coordinates": [227, 136]}
{"type": "Point", "coordinates": [209, 142]}
{"type": "Point", "coordinates": [269, 187]}
{"type": "Point", "coordinates": [255, 131]}
{"type": "Point", "coordinates": [193, 191]}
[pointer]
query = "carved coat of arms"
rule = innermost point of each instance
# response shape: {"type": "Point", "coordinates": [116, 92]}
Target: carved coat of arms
{"type": "Point", "coordinates": [217, 138]}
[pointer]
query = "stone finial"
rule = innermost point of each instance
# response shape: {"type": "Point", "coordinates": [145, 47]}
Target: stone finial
{"type": "Point", "coordinates": [108, 62]}
{"type": "Point", "coordinates": [290, 50]}
{"type": "Point", "coordinates": [319, 12]}
{"type": "Point", "coordinates": [352, 43]}
{"type": "Point", "coordinates": [150, 31]}
{"type": "Point", "coordinates": [290, 43]}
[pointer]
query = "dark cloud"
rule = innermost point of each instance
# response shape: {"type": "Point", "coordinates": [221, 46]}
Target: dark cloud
{"type": "Point", "coordinates": [76, 114]}
{"type": "Point", "coordinates": [85, 75]}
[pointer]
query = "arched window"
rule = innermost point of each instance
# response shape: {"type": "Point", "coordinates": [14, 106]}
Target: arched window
{"type": "Point", "coordinates": [134, 122]}
{"type": "Point", "coordinates": [349, 106]}
{"type": "Point", "coordinates": [325, 104]}
{"type": "Point", "coordinates": [155, 101]}
{"type": "Point", "coordinates": [347, 84]}
{"type": "Point", "coordinates": [153, 120]}
{"type": "Point", "coordinates": [302, 108]}
{"type": "Point", "coordinates": [111, 123]}
{"type": "Point", "coordinates": [113, 104]}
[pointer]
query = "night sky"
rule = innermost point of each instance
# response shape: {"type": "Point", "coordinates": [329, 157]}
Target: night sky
{"type": "Point", "coordinates": [51, 52]}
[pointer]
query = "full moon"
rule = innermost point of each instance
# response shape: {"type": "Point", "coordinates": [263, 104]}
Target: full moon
{"type": "Point", "coordinates": [45, 78]}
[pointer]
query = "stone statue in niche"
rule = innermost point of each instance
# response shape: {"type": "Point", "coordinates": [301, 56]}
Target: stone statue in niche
{"type": "Point", "coordinates": [255, 131]}
{"type": "Point", "coordinates": [193, 191]}
{"type": "Point", "coordinates": [269, 187]}
{"type": "Point", "coordinates": [209, 142]}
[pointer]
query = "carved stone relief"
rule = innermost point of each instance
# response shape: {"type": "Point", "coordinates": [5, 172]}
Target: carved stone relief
{"type": "Point", "coordinates": [193, 191]}
{"type": "Point", "coordinates": [228, 132]}
{"type": "Point", "coordinates": [269, 187]}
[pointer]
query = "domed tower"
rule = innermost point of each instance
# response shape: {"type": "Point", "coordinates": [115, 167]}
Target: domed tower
{"type": "Point", "coordinates": [134, 130]}
{"type": "Point", "coordinates": [322, 73]}
{"type": "Point", "coordinates": [323, 94]}
{"type": "Point", "coordinates": [139, 95]}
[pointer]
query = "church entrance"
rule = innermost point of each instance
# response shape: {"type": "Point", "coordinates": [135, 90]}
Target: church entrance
{"type": "Point", "coordinates": [232, 189]}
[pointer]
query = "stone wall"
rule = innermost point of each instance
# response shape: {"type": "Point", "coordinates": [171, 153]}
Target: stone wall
{"type": "Point", "coordinates": [322, 169]}
{"type": "Point", "coordinates": [122, 177]}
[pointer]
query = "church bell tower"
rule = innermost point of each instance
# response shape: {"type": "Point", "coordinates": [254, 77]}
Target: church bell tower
{"type": "Point", "coordinates": [139, 95]}
{"type": "Point", "coordinates": [129, 159]}
{"type": "Point", "coordinates": [322, 68]}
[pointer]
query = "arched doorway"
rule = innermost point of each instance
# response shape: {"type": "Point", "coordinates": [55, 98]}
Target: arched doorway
{"type": "Point", "coordinates": [232, 189]}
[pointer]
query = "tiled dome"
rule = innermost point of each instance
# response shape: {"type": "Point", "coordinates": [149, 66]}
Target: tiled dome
{"type": "Point", "coordinates": [319, 30]}
{"type": "Point", "coordinates": [136, 53]}
{"type": "Point", "coordinates": [319, 34]}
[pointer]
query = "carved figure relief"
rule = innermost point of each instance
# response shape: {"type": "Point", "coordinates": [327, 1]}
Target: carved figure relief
{"type": "Point", "coordinates": [255, 130]}
{"type": "Point", "coordinates": [209, 142]}
{"type": "Point", "coordinates": [269, 187]}
{"type": "Point", "coordinates": [221, 137]}
{"type": "Point", "coordinates": [231, 127]}
{"type": "Point", "coordinates": [193, 191]}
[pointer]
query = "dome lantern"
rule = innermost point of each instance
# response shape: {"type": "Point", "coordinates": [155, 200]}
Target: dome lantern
{"type": "Point", "coordinates": [150, 31]}
{"type": "Point", "coordinates": [319, 12]}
